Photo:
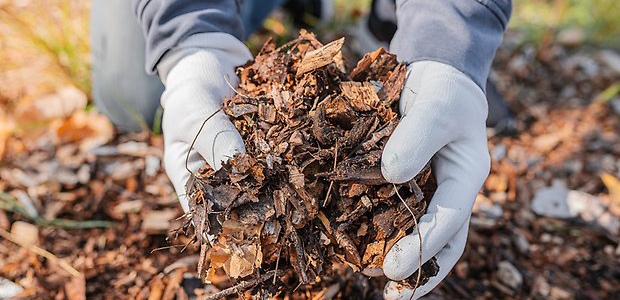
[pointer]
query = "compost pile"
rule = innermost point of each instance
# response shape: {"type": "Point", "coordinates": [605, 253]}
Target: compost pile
{"type": "Point", "coordinates": [309, 192]}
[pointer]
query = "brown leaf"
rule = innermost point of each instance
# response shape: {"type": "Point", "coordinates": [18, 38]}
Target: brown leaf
{"type": "Point", "coordinates": [90, 129]}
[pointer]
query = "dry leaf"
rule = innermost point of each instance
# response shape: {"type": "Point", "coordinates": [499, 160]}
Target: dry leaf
{"type": "Point", "coordinates": [613, 186]}
{"type": "Point", "coordinates": [90, 129]}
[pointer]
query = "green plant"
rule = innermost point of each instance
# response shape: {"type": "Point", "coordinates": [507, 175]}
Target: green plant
{"type": "Point", "coordinates": [58, 29]}
{"type": "Point", "coordinates": [598, 20]}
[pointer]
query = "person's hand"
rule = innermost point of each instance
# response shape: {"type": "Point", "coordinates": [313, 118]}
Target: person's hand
{"type": "Point", "coordinates": [443, 117]}
{"type": "Point", "coordinates": [195, 77]}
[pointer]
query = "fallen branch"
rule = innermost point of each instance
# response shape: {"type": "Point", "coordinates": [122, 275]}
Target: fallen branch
{"type": "Point", "coordinates": [242, 286]}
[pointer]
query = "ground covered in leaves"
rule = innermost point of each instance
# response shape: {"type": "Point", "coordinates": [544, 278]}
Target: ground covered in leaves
{"type": "Point", "coordinates": [543, 225]}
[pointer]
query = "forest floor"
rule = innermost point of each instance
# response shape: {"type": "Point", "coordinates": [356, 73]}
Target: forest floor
{"type": "Point", "coordinates": [85, 210]}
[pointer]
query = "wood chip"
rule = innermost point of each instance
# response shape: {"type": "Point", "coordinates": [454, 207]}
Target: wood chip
{"type": "Point", "coordinates": [320, 57]}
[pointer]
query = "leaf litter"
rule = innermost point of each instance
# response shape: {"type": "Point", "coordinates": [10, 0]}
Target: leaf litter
{"type": "Point", "coordinates": [71, 187]}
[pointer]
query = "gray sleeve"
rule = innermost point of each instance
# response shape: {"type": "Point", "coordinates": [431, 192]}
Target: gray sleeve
{"type": "Point", "coordinates": [462, 33]}
{"type": "Point", "coordinates": [166, 23]}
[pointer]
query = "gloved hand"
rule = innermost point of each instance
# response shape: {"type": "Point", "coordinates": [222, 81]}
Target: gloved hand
{"type": "Point", "coordinates": [195, 75]}
{"type": "Point", "coordinates": [443, 114]}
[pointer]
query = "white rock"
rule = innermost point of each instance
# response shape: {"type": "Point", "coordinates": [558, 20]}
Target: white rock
{"type": "Point", "coordinates": [152, 165]}
{"type": "Point", "coordinates": [585, 205]}
{"type": "Point", "coordinates": [611, 59]}
{"type": "Point", "coordinates": [9, 289]}
{"type": "Point", "coordinates": [509, 275]}
{"type": "Point", "coordinates": [25, 233]}
{"type": "Point", "coordinates": [559, 202]}
{"type": "Point", "coordinates": [551, 202]}
{"type": "Point", "coordinates": [592, 210]}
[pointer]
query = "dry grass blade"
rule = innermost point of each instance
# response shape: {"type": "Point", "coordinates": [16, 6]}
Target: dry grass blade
{"type": "Point", "coordinates": [417, 282]}
{"type": "Point", "coordinates": [331, 183]}
{"type": "Point", "coordinates": [191, 146]}
{"type": "Point", "coordinates": [42, 252]}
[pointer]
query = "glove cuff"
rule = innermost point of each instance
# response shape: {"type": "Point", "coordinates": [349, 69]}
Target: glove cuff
{"type": "Point", "coordinates": [445, 78]}
{"type": "Point", "coordinates": [229, 50]}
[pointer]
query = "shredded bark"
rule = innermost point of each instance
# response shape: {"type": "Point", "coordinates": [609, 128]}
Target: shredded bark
{"type": "Point", "coordinates": [308, 193]}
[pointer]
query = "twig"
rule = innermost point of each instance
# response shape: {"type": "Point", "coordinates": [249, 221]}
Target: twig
{"type": "Point", "coordinates": [417, 281]}
{"type": "Point", "coordinates": [195, 138]}
{"type": "Point", "coordinates": [166, 247]}
{"type": "Point", "coordinates": [42, 252]}
{"type": "Point", "coordinates": [295, 289]}
{"type": "Point", "coordinates": [242, 287]}
{"type": "Point", "coordinates": [277, 263]}
{"type": "Point", "coordinates": [235, 90]}
{"type": "Point", "coordinates": [331, 183]}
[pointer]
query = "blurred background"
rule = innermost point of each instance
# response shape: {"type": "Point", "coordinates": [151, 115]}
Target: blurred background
{"type": "Point", "coordinates": [85, 210]}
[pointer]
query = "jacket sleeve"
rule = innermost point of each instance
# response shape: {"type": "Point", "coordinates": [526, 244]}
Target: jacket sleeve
{"type": "Point", "coordinates": [166, 23]}
{"type": "Point", "coordinates": [462, 33]}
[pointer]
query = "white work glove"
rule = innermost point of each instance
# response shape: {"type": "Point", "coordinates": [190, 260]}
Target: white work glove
{"type": "Point", "coordinates": [195, 75]}
{"type": "Point", "coordinates": [443, 114]}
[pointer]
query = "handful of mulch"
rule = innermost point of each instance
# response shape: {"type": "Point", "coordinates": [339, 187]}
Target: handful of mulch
{"type": "Point", "coordinates": [308, 194]}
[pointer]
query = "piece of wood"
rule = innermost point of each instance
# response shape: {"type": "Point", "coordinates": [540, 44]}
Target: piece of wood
{"type": "Point", "coordinates": [241, 287]}
{"type": "Point", "coordinates": [320, 57]}
{"type": "Point", "coordinates": [361, 95]}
